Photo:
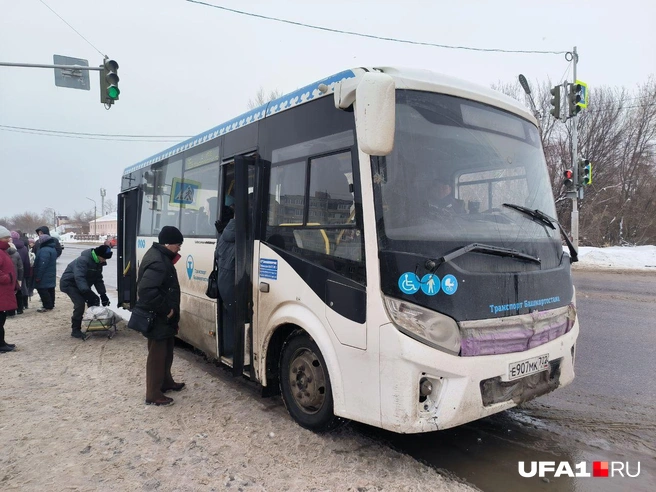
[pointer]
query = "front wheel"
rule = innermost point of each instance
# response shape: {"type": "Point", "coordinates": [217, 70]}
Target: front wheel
{"type": "Point", "coordinates": [305, 384]}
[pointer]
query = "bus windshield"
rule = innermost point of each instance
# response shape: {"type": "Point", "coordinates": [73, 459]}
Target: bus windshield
{"type": "Point", "coordinates": [455, 163]}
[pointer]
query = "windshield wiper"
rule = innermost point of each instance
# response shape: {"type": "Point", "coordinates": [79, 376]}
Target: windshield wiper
{"type": "Point", "coordinates": [481, 248]}
{"type": "Point", "coordinates": [540, 216]}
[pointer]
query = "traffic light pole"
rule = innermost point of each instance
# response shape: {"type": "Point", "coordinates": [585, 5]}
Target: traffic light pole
{"type": "Point", "coordinates": [63, 67]}
{"type": "Point", "coordinates": [109, 90]}
{"type": "Point", "coordinates": [575, 167]}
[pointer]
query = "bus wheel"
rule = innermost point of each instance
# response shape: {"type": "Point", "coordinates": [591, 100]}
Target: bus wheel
{"type": "Point", "coordinates": [305, 384]}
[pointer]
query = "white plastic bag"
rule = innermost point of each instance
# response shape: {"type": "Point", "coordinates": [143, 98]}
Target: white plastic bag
{"type": "Point", "coordinates": [98, 313]}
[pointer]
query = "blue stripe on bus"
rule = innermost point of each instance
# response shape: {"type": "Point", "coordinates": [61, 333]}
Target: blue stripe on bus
{"type": "Point", "coordinates": [300, 96]}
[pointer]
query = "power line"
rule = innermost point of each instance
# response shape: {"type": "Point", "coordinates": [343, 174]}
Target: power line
{"type": "Point", "coordinates": [64, 21]}
{"type": "Point", "coordinates": [93, 134]}
{"type": "Point", "coordinates": [565, 73]}
{"type": "Point", "coordinates": [371, 36]}
{"type": "Point", "coordinates": [86, 137]}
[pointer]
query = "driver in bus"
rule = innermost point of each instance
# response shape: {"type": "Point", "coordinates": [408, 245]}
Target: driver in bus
{"type": "Point", "coordinates": [443, 199]}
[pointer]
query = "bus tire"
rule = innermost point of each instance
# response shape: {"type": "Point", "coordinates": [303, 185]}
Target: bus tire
{"type": "Point", "coordinates": [305, 384]}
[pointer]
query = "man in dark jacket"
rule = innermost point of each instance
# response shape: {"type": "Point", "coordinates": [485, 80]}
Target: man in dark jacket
{"type": "Point", "coordinates": [158, 291]}
{"type": "Point", "coordinates": [45, 273]}
{"type": "Point", "coordinates": [44, 230]}
{"type": "Point", "coordinates": [80, 275]}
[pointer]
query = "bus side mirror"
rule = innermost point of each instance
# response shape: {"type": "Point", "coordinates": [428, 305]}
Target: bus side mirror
{"type": "Point", "coordinates": [375, 113]}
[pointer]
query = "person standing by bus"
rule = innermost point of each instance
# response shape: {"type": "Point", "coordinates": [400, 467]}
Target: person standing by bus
{"type": "Point", "coordinates": [8, 285]}
{"type": "Point", "coordinates": [225, 252]}
{"type": "Point", "coordinates": [44, 231]}
{"type": "Point", "coordinates": [158, 291]}
{"type": "Point", "coordinates": [18, 268]}
{"type": "Point", "coordinates": [45, 272]}
{"type": "Point", "coordinates": [80, 275]}
{"type": "Point", "coordinates": [21, 245]}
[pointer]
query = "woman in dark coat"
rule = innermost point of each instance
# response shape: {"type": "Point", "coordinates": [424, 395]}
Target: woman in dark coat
{"type": "Point", "coordinates": [8, 286]}
{"type": "Point", "coordinates": [158, 291]}
{"type": "Point", "coordinates": [45, 272]}
{"type": "Point", "coordinates": [23, 251]}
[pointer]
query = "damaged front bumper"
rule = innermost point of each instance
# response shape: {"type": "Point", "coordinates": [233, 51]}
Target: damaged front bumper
{"type": "Point", "coordinates": [464, 389]}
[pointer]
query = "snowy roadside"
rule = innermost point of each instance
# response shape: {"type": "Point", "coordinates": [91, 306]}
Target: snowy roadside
{"type": "Point", "coordinates": [636, 258]}
{"type": "Point", "coordinates": [74, 418]}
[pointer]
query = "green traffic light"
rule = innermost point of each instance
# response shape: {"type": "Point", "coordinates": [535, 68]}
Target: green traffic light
{"type": "Point", "coordinates": [113, 92]}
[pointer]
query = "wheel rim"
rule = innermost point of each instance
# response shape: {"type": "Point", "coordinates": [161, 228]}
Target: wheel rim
{"type": "Point", "coordinates": [307, 380]}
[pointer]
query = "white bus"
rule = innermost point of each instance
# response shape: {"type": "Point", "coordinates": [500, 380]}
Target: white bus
{"type": "Point", "coordinates": [397, 262]}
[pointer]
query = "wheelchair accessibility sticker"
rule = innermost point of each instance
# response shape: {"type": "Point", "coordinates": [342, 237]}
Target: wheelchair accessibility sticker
{"type": "Point", "coordinates": [430, 284]}
{"type": "Point", "coordinates": [409, 283]}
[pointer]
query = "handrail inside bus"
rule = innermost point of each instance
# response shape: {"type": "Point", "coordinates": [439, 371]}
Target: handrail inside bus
{"type": "Point", "coordinates": [323, 233]}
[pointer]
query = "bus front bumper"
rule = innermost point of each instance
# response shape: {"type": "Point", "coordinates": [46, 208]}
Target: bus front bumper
{"type": "Point", "coordinates": [463, 388]}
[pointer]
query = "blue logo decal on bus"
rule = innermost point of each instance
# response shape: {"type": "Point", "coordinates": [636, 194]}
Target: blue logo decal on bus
{"type": "Point", "coordinates": [190, 266]}
{"type": "Point", "coordinates": [449, 284]}
{"type": "Point", "coordinates": [430, 284]}
{"type": "Point", "coordinates": [141, 243]}
{"type": "Point", "coordinates": [409, 283]}
{"type": "Point", "coordinates": [269, 268]}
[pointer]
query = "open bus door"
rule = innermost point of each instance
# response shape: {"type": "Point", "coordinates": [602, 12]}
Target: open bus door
{"type": "Point", "coordinates": [126, 263]}
{"type": "Point", "coordinates": [241, 181]}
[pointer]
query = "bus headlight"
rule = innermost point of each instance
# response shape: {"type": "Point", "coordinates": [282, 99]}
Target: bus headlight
{"type": "Point", "coordinates": [424, 325]}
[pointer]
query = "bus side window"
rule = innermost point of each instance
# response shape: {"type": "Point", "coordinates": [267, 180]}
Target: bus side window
{"type": "Point", "coordinates": [329, 236]}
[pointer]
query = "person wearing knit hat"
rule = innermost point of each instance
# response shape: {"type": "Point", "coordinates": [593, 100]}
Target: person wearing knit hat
{"type": "Point", "coordinates": [80, 276]}
{"type": "Point", "coordinates": [103, 251]}
{"type": "Point", "coordinates": [158, 291]}
{"type": "Point", "coordinates": [8, 286]}
{"type": "Point", "coordinates": [170, 235]}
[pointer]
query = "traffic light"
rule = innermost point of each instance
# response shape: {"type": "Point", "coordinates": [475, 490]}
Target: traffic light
{"type": "Point", "coordinates": [555, 102]}
{"type": "Point", "coordinates": [574, 99]}
{"type": "Point", "coordinates": [109, 90]}
{"type": "Point", "coordinates": [585, 172]}
{"type": "Point", "coordinates": [569, 179]}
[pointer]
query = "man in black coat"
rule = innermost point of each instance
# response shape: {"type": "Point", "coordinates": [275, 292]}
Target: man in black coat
{"type": "Point", "coordinates": [80, 275]}
{"type": "Point", "coordinates": [158, 291]}
{"type": "Point", "coordinates": [44, 230]}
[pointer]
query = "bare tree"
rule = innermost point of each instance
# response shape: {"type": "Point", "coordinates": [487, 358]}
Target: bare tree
{"type": "Point", "coordinates": [618, 135]}
{"type": "Point", "coordinates": [261, 99]}
{"type": "Point", "coordinates": [26, 222]}
{"type": "Point", "coordinates": [110, 206]}
{"type": "Point", "coordinates": [79, 221]}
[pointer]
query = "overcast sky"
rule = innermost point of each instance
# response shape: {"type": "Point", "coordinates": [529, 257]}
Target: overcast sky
{"type": "Point", "coordinates": [185, 68]}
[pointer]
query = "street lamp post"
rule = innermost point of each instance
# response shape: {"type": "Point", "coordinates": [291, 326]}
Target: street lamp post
{"type": "Point", "coordinates": [95, 216]}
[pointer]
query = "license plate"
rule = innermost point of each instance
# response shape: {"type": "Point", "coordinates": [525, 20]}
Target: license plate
{"type": "Point", "coordinates": [527, 367]}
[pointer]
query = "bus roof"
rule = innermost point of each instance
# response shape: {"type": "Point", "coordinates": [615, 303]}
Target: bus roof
{"type": "Point", "coordinates": [405, 79]}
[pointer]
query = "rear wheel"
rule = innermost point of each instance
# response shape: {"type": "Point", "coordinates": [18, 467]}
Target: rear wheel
{"type": "Point", "coordinates": [305, 384]}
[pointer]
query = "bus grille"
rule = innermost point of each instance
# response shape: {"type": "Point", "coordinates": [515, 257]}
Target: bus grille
{"type": "Point", "coordinates": [521, 390]}
{"type": "Point", "coordinates": [515, 333]}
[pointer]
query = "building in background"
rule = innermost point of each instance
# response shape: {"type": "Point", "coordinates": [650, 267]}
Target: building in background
{"type": "Point", "coordinates": [104, 226]}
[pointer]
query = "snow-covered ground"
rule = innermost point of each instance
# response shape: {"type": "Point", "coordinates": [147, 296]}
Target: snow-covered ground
{"type": "Point", "coordinates": [618, 258]}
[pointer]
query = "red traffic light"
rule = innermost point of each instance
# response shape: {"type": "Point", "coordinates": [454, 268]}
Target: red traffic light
{"type": "Point", "coordinates": [569, 174]}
